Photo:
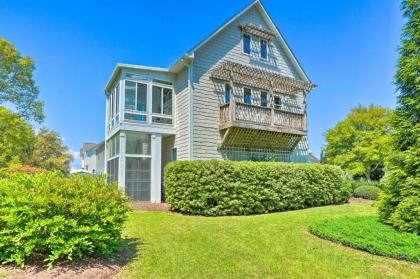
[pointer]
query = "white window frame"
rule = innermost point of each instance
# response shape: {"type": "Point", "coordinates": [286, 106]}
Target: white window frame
{"type": "Point", "coordinates": [243, 43]}
{"type": "Point", "coordinates": [162, 115]}
{"type": "Point", "coordinates": [266, 43]}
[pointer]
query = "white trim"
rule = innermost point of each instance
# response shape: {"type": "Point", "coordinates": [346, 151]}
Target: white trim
{"type": "Point", "coordinates": [243, 44]}
{"type": "Point", "coordinates": [190, 114]}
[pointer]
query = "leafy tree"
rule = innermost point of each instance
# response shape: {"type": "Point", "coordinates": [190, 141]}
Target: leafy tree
{"type": "Point", "coordinates": [49, 152]}
{"type": "Point", "coordinates": [400, 206]}
{"type": "Point", "coordinates": [360, 142]}
{"type": "Point", "coordinates": [16, 83]}
{"type": "Point", "coordinates": [16, 139]}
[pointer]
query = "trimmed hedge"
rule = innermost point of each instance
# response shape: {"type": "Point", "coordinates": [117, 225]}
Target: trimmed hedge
{"type": "Point", "coordinates": [239, 188]}
{"type": "Point", "coordinates": [367, 192]}
{"type": "Point", "coordinates": [50, 217]}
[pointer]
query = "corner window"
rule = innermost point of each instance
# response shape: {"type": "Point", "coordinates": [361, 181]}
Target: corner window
{"type": "Point", "coordinates": [246, 40]}
{"type": "Point", "coordinates": [135, 96]}
{"type": "Point", "coordinates": [227, 93]}
{"type": "Point", "coordinates": [263, 49]}
{"type": "Point", "coordinates": [277, 103]}
{"type": "Point", "coordinates": [162, 100]}
{"type": "Point", "coordinates": [247, 96]}
{"type": "Point", "coordinates": [264, 99]}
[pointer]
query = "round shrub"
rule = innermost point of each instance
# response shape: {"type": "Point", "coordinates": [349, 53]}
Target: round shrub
{"type": "Point", "coordinates": [50, 217]}
{"type": "Point", "coordinates": [367, 192]}
{"type": "Point", "coordinates": [238, 188]}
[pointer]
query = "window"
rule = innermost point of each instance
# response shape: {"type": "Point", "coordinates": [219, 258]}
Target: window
{"type": "Point", "coordinates": [135, 96]}
{"type": "Point", "coordinates": [137, 178]}
{"type": "Point", "coordinates": [173, 154]}
{"type": "Point", "coordinates": [277, 103]}
{"type": "Point", "coordinates": [227, 93]}
{"type": "Point", "coordinates": [264, 99]}
{"type": "Point", "coordinates": [112, 170]}
{"type": "Point", "coordinates": [161, 100]}
{"type": "Point", "coordinates": [246, 43]}
{"type": "Point", "coordinates": [137, 143]}
{"type": "Point", "coordinates": [135, 117]}
{"type": "Point", "coordinates": [263, 49]}
{"type": "Point", "coordinates": [117, 99]}
{"type": "Point", "coordinates": [161, 120]}
{"type": "Point", "coordinates": [113, 146]}
{"type": "Point", "coordinates": [130, 95]}
{"type": "Point", "coordinates": [247, 96]}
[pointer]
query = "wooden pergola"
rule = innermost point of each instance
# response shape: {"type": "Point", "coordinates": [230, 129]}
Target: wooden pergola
{"type": "Point", "coordinates": [250, 126]}
{"type": "Point", "coordinates": [251, 76]}
{"type": "Point", "coordinates": [257, 31]}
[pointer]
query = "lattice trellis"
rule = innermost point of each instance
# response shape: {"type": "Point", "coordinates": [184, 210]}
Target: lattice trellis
{"type": "Point", "coordinates": [257, 31]}
{"type": "Point", "coordinates": [253, 138]}
{"type": "Point", "coordinates": [254, 77]}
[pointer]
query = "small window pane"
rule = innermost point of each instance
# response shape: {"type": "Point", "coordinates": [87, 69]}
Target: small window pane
{"type": "Point", "coordinates": [247, 96]}
{"type": "Point", "coordinates": [227, 93]}
{"type": "Point", "coordinates": [247, 43]}
{"type": "Point", "coordinates": [157, 99]}
{"type": "Point", "coordinates": [117, 98]}
{"type": "Point", "coordinates": [264, 99]}
{"type": "Point", "coordinates": [167, 101]}
{"type": "Point", "coordinates": [264, 52]}
{"type": "Point", "coordinates": [141, 97]}
{"type": "Point", "coordinates": [277, 102]}
{"type": "Point", "coordinates": [162, 120]}
{"type": "Point", "coordinates": [130, 95]}
{"type": "Point", "coordinates": [135, 117]}
{"type": "Point", "coordinates": [137, 143]}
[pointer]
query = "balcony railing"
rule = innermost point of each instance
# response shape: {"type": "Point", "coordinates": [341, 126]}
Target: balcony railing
{"type": "Point", "coordinates": [243, 115]}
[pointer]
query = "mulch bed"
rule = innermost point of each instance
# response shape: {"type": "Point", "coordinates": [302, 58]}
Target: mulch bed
{"type": "Point", "coordinates": [355, 200]}
{"type": "Point", "coordinates": [148, 206]}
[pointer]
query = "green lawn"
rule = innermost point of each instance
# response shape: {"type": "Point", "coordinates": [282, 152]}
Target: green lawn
{"type": "Point", "coordinates": [274, 245]}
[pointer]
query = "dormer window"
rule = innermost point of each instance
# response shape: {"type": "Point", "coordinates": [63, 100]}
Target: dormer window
{"type": "Point", "coordinates": [246, 40]}
{"type": "Point", "coordinates": [263, 49]}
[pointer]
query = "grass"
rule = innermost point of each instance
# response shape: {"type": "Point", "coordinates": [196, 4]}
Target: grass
{"type": "Point", "coordinates": [276, 245]}
{"type": "Point", "coordinates": [368, 234]}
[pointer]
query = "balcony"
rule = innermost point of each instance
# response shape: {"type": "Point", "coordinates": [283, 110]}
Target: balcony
{"type": "Point", "coordinates": [252, 126]}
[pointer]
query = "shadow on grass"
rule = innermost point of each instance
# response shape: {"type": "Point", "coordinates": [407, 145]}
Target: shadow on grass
{"type": "Point", "coordinates": [87, 267]}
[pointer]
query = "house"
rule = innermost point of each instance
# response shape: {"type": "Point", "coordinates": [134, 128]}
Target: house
{"type": "Point", "coordinates": [240, 94]}
{"type": "Point", "coordinates": [92, 158]}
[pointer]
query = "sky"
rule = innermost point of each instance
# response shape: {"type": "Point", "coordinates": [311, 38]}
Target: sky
{"type": "Point", "coordinates": [347, 48]}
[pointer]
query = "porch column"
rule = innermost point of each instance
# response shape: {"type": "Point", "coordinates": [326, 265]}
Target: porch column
{"type": "Point", "coordinates": [121, 162]}
{"type": "Point", "coordinates": [156, 152]}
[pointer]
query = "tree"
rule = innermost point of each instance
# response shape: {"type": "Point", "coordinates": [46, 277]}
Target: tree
{"type": "Point", "coordinates": [16, 83]}
{"type": "Point", "coordinates": [400, 205]}
{"type": "Point", "coordinates": [360, 142]}
{"type": "Point", "coordinates": [49, 152]}
{"type": "Point", "coordinates": [16, 139]}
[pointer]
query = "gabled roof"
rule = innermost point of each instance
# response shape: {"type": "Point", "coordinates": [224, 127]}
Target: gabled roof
{"type": "Point", "coordinates": [257, 4]}
{"type": "Point", "coordinates": [189, 55]}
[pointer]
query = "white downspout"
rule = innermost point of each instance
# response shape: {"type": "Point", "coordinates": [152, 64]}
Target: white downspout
{"type": "Point", "coordinates": [190, 107]}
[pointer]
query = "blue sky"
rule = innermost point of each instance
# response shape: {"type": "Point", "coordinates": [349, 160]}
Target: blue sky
{"type": "Point", "coordinates": [348, 48]}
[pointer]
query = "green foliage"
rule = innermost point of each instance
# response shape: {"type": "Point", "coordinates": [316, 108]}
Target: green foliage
{"type": "Point", "coordinates": [49, 152]}
{"type": "Point", "coordinates": [368, 234]}
{"type": "Point", "coordinates": [367, 192]}
{"type": "Point", "coordinates": [16, 139]}
{"type": "Point", "coordinates": [239, 188]}
{"type": "Point", "coordinates": [356, 183]}
{"type": "Point", "coordinates": [16, 82]}
{"type": "Point", "coordinates": [400, 206]}
{"type": "Point", "coordinates": [52, 217]}
{"type": "Point", "coordinates": [360, 143]}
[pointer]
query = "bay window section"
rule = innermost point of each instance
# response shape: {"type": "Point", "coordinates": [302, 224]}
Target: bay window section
{"type": "Point", "coordinates": [113, 106]}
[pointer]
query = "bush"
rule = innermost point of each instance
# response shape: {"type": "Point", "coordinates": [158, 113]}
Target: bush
{"type": "Point", "coordinates": [51, 217]}
{"type": "Point", "coordinates": [368, 234]}
{"type": "Point", "coordinates": [356, 183]}
{"type": "Point", "coordinates": [367, 192]}
{"type": "Point", "coordinates": [240, 188]}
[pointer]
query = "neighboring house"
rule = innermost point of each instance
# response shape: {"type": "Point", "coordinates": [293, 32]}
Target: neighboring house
{"type": "Point", "coordinates": [240, 94]}
{"type": "Point", "coordinates": [92, 158]}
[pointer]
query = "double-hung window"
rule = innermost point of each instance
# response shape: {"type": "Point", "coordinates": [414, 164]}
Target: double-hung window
{"type": "Point", "coordinates": [263, 49]}
{"type": "Point", "coordinates": [162, 104]}
{"type": "Point", "coordinates": [135, 100]}
{"type": "Point", "coordinates": [264, 98]}
{"type": "Point", "coordinates": [247, 96]}
{"type": "Point", "coordinates": [228, 91]}
{"type": "Point", "coordinates": [246, 41]}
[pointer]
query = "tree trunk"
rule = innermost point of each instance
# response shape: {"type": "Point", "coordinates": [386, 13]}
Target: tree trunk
{"type": "Point", "coordinates": [367, 175]}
